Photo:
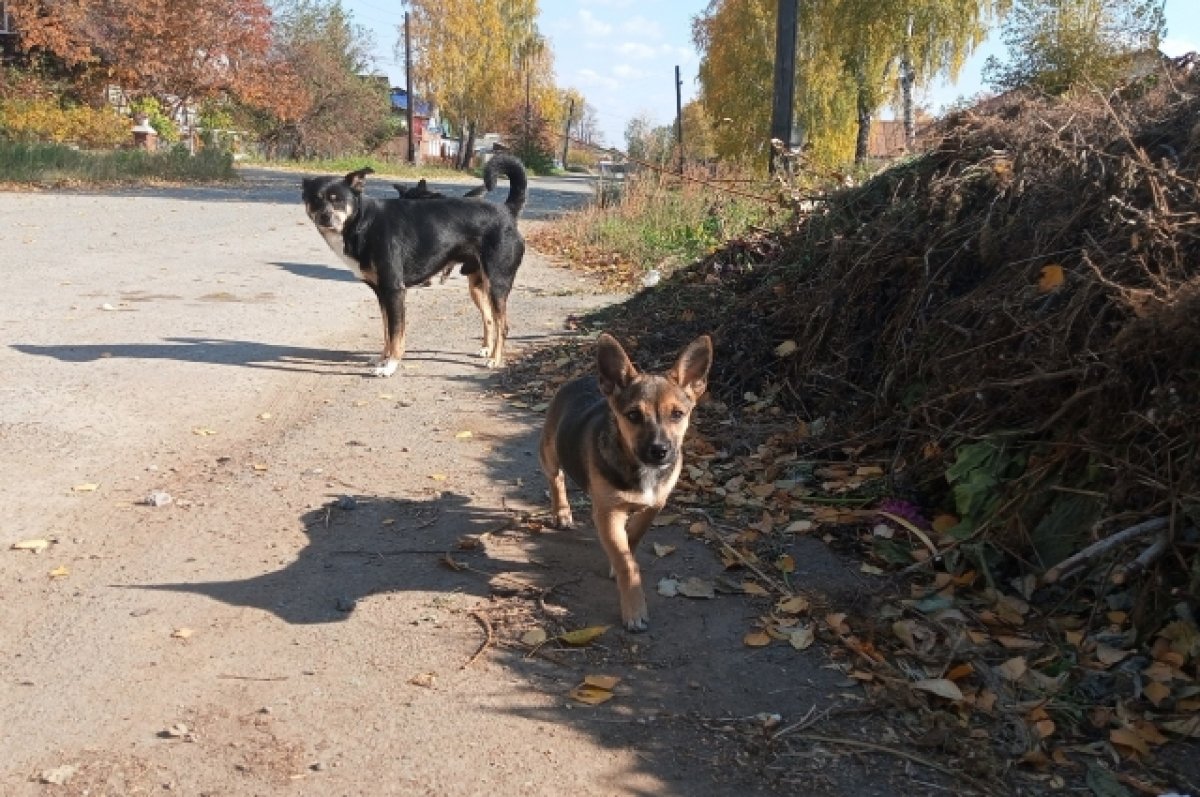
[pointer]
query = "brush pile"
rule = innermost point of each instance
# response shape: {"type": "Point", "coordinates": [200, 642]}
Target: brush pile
{"type": "Point", "coordinates": [1015, 314]}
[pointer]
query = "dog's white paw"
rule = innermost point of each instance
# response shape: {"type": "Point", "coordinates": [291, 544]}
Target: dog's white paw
{"type": "Point", "coordinates": [638, 623]}
{"type": "Point", "coordinates": [484, 352]}
{"type": "Point", "coordinates": [494, 362]}
{"type": "Point", "coordinates": [563, 519]}
{"type": "Point", "coordinates": [385, 368]}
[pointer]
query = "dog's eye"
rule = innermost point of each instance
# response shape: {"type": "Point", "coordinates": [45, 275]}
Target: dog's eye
{"type": "Point", "coordinates": [635, 416]}
{"type": "Point", "coordinates": [677, 414]}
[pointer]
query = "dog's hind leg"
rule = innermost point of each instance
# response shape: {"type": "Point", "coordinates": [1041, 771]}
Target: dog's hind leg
{"type": "Point", "coordinates": [560, 507]}
{"type": "Point", "coordinates": [478, 286]}
{"type": "Point", "coordinates": [498, 303]}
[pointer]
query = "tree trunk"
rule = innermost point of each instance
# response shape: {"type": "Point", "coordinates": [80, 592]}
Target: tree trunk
{"type": "Point", "coordinates": [862, 145]}
{"type": "Point", "coordinates": [907, 78]}
{"type": "Point", "coordinates": [468, 147]}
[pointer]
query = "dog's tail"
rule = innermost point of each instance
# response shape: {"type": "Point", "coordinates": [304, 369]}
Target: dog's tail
{"type": "Point", "coordinates": [511, 168]}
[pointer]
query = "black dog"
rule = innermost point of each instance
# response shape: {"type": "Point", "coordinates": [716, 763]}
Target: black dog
{"type": "Point", "coordinates": [395, 244]}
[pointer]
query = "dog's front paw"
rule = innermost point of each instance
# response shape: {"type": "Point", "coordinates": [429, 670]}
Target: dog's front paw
{"type": "Point", "coordinates": [494, 362]}
{"type": "Point", "coordinates": [385, 368]}
{"type": "Point", "coordinates": [562, 519]}
{"type": "Point", "coordinates": [634, 614]}
{"type": "Point", "coordinates": [637, 623]}
{"type": "Point", "coordinates": [483, 352]}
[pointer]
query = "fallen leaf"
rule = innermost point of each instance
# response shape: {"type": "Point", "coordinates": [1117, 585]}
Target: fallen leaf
{"type": "Point", "coordinates": [801, 638]}
{"type": "Point", "coordinates": [203, 431]}
{"type": "Point", "coordinates": [591, 695]}
{"type": "Point", "coordinates": [799, 527]}
{"type": "Point", "coordinates": [794, 605]}
{"type": "Point", "coordinates": [942, 687]}
{"type": "Point", "coordinates": [89, 487]}
{"type": "Point", "coordinates": [786, 348]}
{"type": "Point", "coordinates": [871, 570]}
{"type": "Point", "coordinates": [1052, 277]}
{"type": "Point", "coordinates": [464, 435]}
{"type": "Point", "coordinates": [37, 546]}
{"type": "Point", "coordinates": [944, 522]}
{"type": "Point", "coordinates": [786, 564]}
{"type": "Point", "coordinates": [259, 467]}
{"type": "Point", "coordinates": [661, 550]}
{"type": "Point", "coordinates": [601, 681]}
{"type": "Point", "coordinates": [1017, 642]}
{"type": "Point", "coordinates": [182, 633]}
{"type": "Point", "coordinates": [57, 776]}
{"type": "Point", "coordinates": [1045, 728]}
{"type": "Point", "coordinates": [668, 587]}
{"type": "Point", "coordinates": [438, 477]}
{"type": "Point", "coordinates": [425, 679]}
{"type": "Point", "coordinates": [752, 588]}
{"type": "Point", "coordinates": [960, 671]}
{"type": "Point", "coordinates": [264, 416]}
{"type": "Point", "coordinates": [1156, 692]}
{"type": "Point", "coordinates": [583, 636]}
{"type": "Point", "coordinates": [837, 623]}
{"type": "Point", "coordinates": [60, 572]}
{"type": "Point", "coordinates": [1185, 727]}
{"type": "Point", "coordinates": [1124, 737]}
{"type": "Point", "coordinates": [757, 639]}
{"type": "Point", "coordinates": [697, 588]}
{"type": "Point", "coordinates": [534, 637]}
{"type": "Point", "coordinates": [1108, 656]}
{"type": "Point", "coordinates": [1013, 669]}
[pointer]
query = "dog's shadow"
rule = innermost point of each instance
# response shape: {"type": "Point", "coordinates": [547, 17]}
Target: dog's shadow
{"type": "Point", "coordinates": [212, 351]}
{"type": "Point", "coordinates": [317, 271]}
{"type": "Point", "coordinates": [360, 546]}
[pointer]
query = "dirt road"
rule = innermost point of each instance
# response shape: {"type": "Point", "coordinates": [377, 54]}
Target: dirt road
{"type": "Point", "coordinates": [286, 624]}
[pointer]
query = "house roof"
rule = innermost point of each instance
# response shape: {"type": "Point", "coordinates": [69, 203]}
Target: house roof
{"type": "Point", "coordinates": [400, 103]}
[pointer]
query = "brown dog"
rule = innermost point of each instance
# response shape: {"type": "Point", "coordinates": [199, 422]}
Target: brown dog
{"type": "Point", "coordinates": [619, 436]}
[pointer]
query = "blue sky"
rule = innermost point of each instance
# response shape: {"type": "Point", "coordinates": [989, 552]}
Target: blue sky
{"type": "Point", "coordinates": [622, 54]}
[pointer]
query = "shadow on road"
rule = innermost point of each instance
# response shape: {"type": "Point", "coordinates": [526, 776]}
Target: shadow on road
{"type": "Point", "coordinates": [317, 271]}
{"type": "Point", "coordinates": [250, 354]}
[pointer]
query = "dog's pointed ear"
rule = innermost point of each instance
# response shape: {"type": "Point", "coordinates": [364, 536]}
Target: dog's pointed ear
{"type": "Point", "coordinates": [422, 185]}
{"type": "Point", "coordinates": [613, 368]}
{"type": "Point", "coordinates": [475, 192]}
{"type": "Point", "coordinates": [690, 371]}
{"type": "Point", "coordinates": [356, 180]}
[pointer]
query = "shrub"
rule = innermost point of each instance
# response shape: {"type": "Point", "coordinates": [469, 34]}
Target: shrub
{"type": "Point", "coordinates": [29, 121]}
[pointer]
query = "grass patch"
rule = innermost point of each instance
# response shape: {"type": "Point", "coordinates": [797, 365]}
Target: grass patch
{"type": "Point", "coordinates": [56, 164]}
{"type": "Point", "coordinates": [654, 223]}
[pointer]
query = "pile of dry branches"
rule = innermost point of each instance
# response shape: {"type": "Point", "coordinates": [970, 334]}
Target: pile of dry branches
{"type": "Point", "coordinates": [1032, 281]}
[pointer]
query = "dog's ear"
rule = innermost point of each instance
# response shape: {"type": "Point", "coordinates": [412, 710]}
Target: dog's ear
{"type": "Point", "coordinates": [356, 180]}
{"type": "Point", "coordinates": [690, 371]}
{"type": "Point", "coordinates": [422, 186]}
{"type": "Point", "coordinates": [613, 369]}
{"type": "Point", "coordinates": [475, 192]}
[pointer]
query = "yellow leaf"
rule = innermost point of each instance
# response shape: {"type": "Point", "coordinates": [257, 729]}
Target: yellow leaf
{"type": "Point", "coordinates": [591, 695]}
{"type": "Point", "coordinates": [601, 681]}
{"type": "Point", "coordinates": [438, 477]}
{"type": "Point", "coordinates": [1156, 692]}
{"type": "Point", "coordinates": [1045, 728]}
{"type": "Point", "coordinates": [756, 639]}
{"type": "Point", "coordinates": [1124, 737]}
{"type": "Point", "coordinates": [960, 671]}
{"type": "Point", "coordinates": [786, 348]}
{"type": "Point", "coordinates": [60, 572]}
{"type": "Point", "coordinates": [259, 467]}
{"type": "Point", "coordinates": [202, 431]}
{"type": "Point", "coordinates": [1017, 642]}
{"type": "Point", "coordinates": [182, 633]}
{"type": "Point", "coordinates": [264, 416]}
{"type": "Point", "coordinates": [583, 636]}
{"type": "Point", "coordinates": [751, 588]}
{"type": "Point", "coordinates": [89, 487]}
{"type": "Point", "coordinates": [425, 679]}
{"type": "Point", "coordinates": [37, 546]}
{"type": "Point", "coordinates": [944, 522]}
{"type": "Point", "coordinates": [1052, 277]}
{"type": "Point", "coordinates": [794, 605]}
{"type": "Point", "coordinates": [786, 564]}
{"type": "Point", "coordinates": [463, 435]}
{"type": "Point", "coordinates": [661, 550]}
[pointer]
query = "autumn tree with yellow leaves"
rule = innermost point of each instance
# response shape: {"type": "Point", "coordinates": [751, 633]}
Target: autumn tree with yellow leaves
{"type": "Point", "coordinates": [479, 61]}
{"type": "Point", "coordinates": [852, 57]}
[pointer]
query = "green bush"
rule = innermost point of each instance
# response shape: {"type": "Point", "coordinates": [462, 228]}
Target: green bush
{"type": "Point", "coordinates": [53, 163]}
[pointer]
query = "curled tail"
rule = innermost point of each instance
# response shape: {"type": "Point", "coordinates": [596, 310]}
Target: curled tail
{"type": "Point", "coordinates": [511, 168]}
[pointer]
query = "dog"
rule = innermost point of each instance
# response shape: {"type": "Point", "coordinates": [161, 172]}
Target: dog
{"type": "Point", "coordinates": [395, 244]}
{"type": "Point", "coordinates": [618, 435]}
{"type": "Point", "coordinates": [422, 191]}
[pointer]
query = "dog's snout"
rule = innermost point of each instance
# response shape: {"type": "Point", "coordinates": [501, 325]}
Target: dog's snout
{"type": "Point", "coordinates": [658, 452]}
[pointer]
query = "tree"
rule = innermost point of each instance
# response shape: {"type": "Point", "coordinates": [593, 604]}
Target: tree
{"type": "Point", "coordinates": [648, 142]}
{"type": "Point", "coordinates": [697, 132]}
{"type": "Point", "coordinates": [176, 52]}
{"type": "Point", "coordinates": [477, 58]}
{"type": "Point", "coordinates": [1056, 44]}
{"type": "Point", "coordinates": [339, 110]}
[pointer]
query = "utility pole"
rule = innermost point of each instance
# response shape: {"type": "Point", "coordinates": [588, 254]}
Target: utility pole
{"type": "Point", "coordinates": [785, 76]}
{"type": "Point", "coordinates": [679, 117]}
{"type": "Point", "coordinates": [567, 132]}
{"type": "Point", "coordinates": [528, 113]}
{"type": "Point", "coordinates": [408, 90]}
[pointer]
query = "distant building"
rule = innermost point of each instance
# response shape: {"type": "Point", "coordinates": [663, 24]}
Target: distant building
{"type": "Point", "coordinates": [432, 136]}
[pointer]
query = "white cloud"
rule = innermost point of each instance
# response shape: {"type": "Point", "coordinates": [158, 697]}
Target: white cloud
{"type": "Point", "coordinates": [590, 77]}
{"type": "Point", "coordinates": [647, 28]}
{"type": "Point", "coordinates": [636, 50]}
{"type": "Point", "coordinates": [593, 26]}
{"type": "Point", "coordinates": [626, 72]}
